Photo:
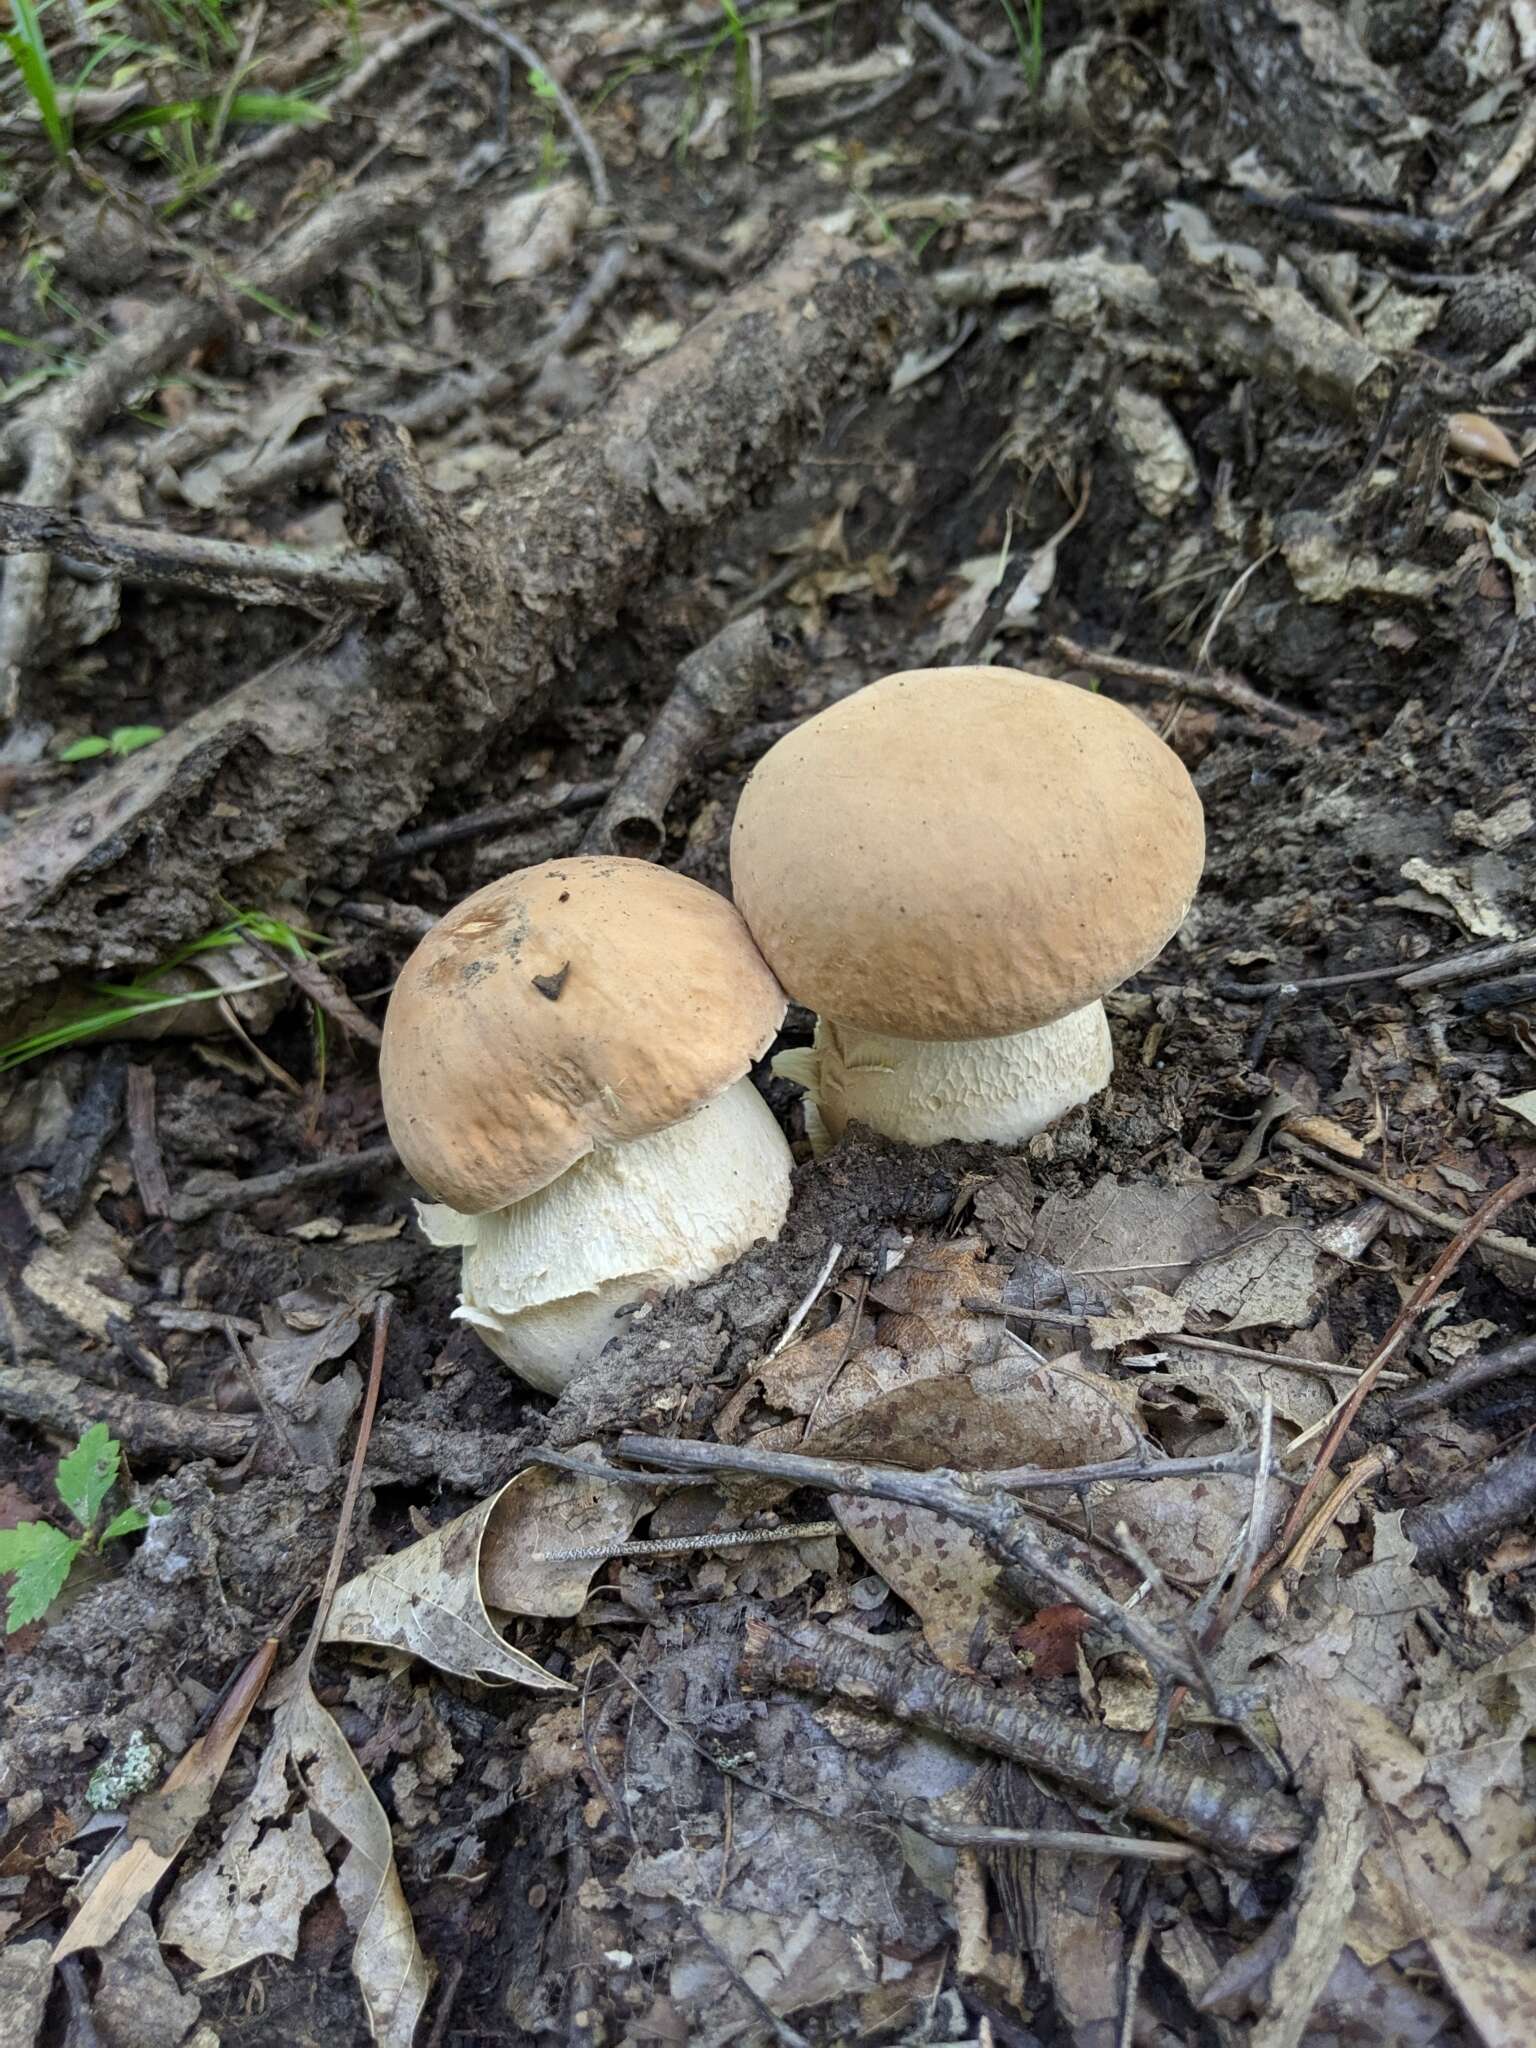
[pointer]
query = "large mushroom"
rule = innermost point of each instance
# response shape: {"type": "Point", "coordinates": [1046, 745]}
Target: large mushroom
{"type": "Point", "coordinates": [564, 1069]}
{"type": "Point", "coordinates": [952, 867]}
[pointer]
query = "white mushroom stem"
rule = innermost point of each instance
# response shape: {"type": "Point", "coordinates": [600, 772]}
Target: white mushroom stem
{"type": "Point", "coordinates": [544, 1281]}
{"type": "Point", "coordinates": [989, 1090]}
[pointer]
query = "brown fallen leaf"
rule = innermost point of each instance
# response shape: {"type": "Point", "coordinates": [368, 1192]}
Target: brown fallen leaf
{"type": "Point", "coordinates": [1496, 1990]}
{"type": "Point", "coordinates": [308, 1760]}
{"type": "Point", "coordinates": [160, 1824]}
{"type": "Point", "coordinates": [432, 1599]}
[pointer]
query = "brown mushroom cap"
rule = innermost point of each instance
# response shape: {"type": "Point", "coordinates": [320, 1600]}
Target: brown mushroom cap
{"type": "Point", "coordinates": [965, 853]}
{"type": "Point", "coordinates": [581, 1003]}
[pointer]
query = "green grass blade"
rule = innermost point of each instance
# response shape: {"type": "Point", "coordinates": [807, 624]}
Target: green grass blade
{"type": "Point", "coordinates": [30, 52]}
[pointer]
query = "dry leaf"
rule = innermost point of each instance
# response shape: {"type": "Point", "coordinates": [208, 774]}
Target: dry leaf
{"type": "Point", "coordinates": [1268, 1277]}
{"type": "Point", "coordinates": [533, 231]}
{"type": "Point", "coordinates": [307, 1748]}
{"type": "Point", "coordinates": [160, 1824]}
{"type": "Point", "coordinates": [431, 1599]}
{"type": "Point", "coordinates": [1468, 892]}
{"type": "Point", "coordinates": [1469, 434]}
{"type": "Point", "coordinates": [248, 1900]}
{"type": "Point", "coordinates": [944, 1573]}
{"type": "Point", "coordinates": [1496, 1990]}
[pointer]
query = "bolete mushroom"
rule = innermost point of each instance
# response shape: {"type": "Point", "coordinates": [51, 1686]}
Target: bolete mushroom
{"type": "Point", "coordinates": [952, 867]}
{"type": "Point", "coordinates": [564, 1070]}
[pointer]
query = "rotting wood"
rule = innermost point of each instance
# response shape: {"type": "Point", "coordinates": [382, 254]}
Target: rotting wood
{"type": "Point", "coordinates": [329, 752]}
{"type": "Point", "coordinates": [715, 685]}
{"type": "Point", "coordinates": [1111, 1767]}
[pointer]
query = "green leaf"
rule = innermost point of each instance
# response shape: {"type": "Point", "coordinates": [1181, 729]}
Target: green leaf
{"type": "Point", "coordinates": [87, 1475]}
{"type": "Point", "coordinates": [128, 1523]}
{"type": "Point", "coordinates": [87, 749]}
{"type": "Point", "coordinates": [127, 739]}
{"type": "Point", "coordinates": [39, 1556]}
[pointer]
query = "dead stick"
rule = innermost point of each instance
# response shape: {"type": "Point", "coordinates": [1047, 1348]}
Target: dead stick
{"type": "Point", "coordinates": [1477, 1371]}
{"type": "Point", "coordinates": [1437, 1219]}
{"type": "Point", "coordinates": [1068, 1841]}
{"type": "Point", "coordinates": [192, 1204]}
{"type": "Point", "coordinates": [1001, 1523]}
{"type": "Point", "coordinates": [1105, 1765]}
{"type": "Point", "coordinates": [1502, 1497]}
{"type": "Point", "coordinates": [1217, 684]}
{"type": "Point", "coordinates": [215, 568]}
{"type": "Point", "coordinates": [716, 685]}
{"type": "Point", "coordinates": [1501, 1199]}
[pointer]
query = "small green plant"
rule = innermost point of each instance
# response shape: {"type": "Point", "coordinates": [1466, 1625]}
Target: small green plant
{"type": "Point", "coordinates": [38, 1557]}
{"type": "Point", "coordinates": [1031, 40]}
{"type": "Point", "coordinates": [541, 85]}
{"type": "Point", "coordinates": [121, 740]}
{"type": "Point", "coordinates": [120, 1002]}
{"type": "Point", "coordinates": [29, 53]}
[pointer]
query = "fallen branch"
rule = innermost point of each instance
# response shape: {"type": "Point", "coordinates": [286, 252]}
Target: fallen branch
{"type": "Point", "coordinates": [50, 434]}
{"type": "Point", "coordinates": [216, 1193]}
{"type": "Point", "coordinates": [1106, 1765]}
{"type": "Point", "coordinates": [231, 569]}
{"type": "Point", "coordinates": [1479, 1370]}
{"type": "Point", "coordinates": [402, 1451]}
{"type": "Point", "coordinates": [326, 755]}
{"type": "Point", "coordinates": [1500, 1498]}
{"type": "Point", "coordinates": [715, 685]}
{"type": "Point", "coordinates": [1000, 1522]}
{"type": "Point", "coordinates": [1216, 684]}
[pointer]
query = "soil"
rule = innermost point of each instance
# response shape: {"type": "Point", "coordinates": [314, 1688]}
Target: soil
{"type": "Point", "coordinates": [1190, 480]}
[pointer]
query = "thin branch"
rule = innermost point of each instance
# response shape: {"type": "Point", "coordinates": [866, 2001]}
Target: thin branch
{"type": "Point", "coordinates": [1222, 687]}
{"type": "Point", "coordinates": [381, 1316]}
{"type": "Point", "coordinates": [1477, 1371]}
{"type": "Point", "coordinates": [530, 59]}
{"type": "Point", "coordinates": [1437, 1219]}
{"type": "Point", "coordinates": [217, 568]}
{"type": "Point", "coordinates": [715, 686]}
{"type": "Point", "coordinates": [1413, 1308]}
{"type": "Point", "coordinates": [1001, 1523]}
{"type": "Point", "coordinates": [533, 809]}
{"type": "Point", "coordinates": [674, 1546]}
{"type": "Point", "coordinates": [1067, 1841]}
{"type": "Point", "coordinates": [1501, 1498]}
{"type": "Point", "coordinates": [24, 589]}
{"type": "Point", "coordinates": [1109, 1766]}
{"type": "Point", "coordinates": [192, 1204]}
{"type": "Point", "coordinates": [1441, 973]}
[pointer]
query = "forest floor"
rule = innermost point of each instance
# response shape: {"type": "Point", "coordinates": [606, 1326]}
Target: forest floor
{"type": "Point", "coordinates": [1190, 355]}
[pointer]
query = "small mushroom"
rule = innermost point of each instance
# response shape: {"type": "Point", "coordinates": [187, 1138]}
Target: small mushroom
{"type": "Point", "coordinates": [952, 868]}
{"type": "Point", "coordinates": [563, 1069]}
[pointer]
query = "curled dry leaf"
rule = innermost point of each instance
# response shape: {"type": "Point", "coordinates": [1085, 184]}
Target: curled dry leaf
{"type": "Point", "coordinates": [1477, 439]}
{"type": "Point", "coordinates": [533, 231]}
{"type": "Point", "coordinates": [431, 1600]}
{"type": "Point", "coordinates": [308, 1760]}
{"type": "Point", "coordinates": [160, 1824]}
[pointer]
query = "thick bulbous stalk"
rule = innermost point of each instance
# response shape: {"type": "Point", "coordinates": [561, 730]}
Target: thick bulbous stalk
{"type": "Point", "coordinates": [546, 1280]}
{"type": "Point", "coordinates": [986, 1090]}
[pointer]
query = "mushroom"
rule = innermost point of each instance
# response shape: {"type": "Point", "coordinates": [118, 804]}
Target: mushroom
{"type": "Point", "coordinates": [563, 1070]}
{"type": "Point", "coordinates": [952, 867]}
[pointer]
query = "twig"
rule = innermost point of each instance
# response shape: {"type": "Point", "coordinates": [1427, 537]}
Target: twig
{"type": "Point", "coordinates": [1001, 1523]}
{"type": "Point", "coordinates": [1105, 1765]}
{"type": "Point", "coordinates": [144, 1143]}
{"type": "Point", "coordinates": [1135, 1963]}
{"type": "Point", "coordinates": [310, 977]}
{"type": "Point", "coordinates": [1291, 1360]}
{"type": "Point", "coordinates": [1437, 1219]}
{"type": "Point", "coordinates": [306, 1659]}
{"type": "Point", "coordinates": [594, 1468]}
{"type": "Point", "coordinates": [1253, 1536]}
{"type": "Point", "coordinates": [1476, 1371]}
{"type": "Point", "coordinates": [672, 1546]}
{"type": "Point", "coordinates": [951, 1834]}
{"type": "Point", "coordinates": [950, 38]}
{"type": "Point", "coordinates": [1218, 684]}
{"type": "Point", "coordinates": [403, 1451]}
{"type": "Point", "coordinates": [1114, 1471]}
{"type": "Point", "coordinates": [440, 404]}
{"type": "Point", "coordinates": [1467, 212]}
{"type": "Point", "coordinates": [529, 57]}
{"type": "Point", "coordinates": [92, 1125]}
{"type": "Point", "coordinates": [1441, 973]}
{"type": "Point", "coordinates": [1500, 1498]}
{"type": "Point", "coordinates": [24, 589]}
{"type": "Point", "coordinates": [715, 685]}
{"type": "Point", "coordinates": [809, 1299]}
{"type": "Point", "coordinates": [1359, 1475]}
{"type": "Point", "coordinates": [315, 582]}
{"type": "Point", "coordinates": [274, 1420]}
{"type": "Point", "coordinates": [1513, 1191]}
{"type": "Point", "coordinates": [192, 1204]}
{"type": "Point", "coordinates": [526, 810]}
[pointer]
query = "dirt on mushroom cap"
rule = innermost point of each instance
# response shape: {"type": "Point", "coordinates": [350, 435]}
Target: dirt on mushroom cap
{"type": "Point", "coordinates": [575, 1004]}
{"type": "Point", "coordinates": [964, 853]}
